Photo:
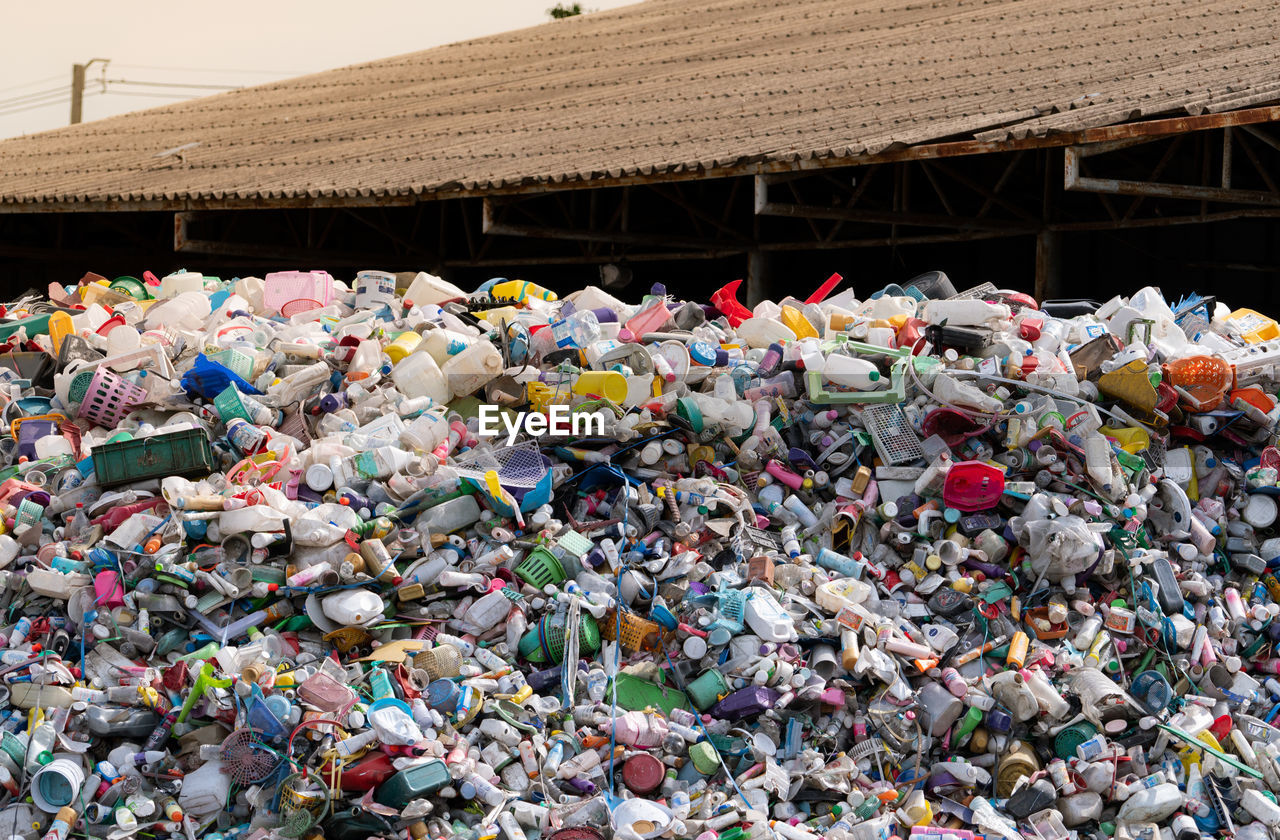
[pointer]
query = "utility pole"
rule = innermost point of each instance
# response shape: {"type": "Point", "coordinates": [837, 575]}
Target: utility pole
{"type": "Point", "coordinates": [77, 87]}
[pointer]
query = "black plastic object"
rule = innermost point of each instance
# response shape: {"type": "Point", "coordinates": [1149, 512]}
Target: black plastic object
{"type": "Point", "coordinates": [948, 602]}
{"type": "Point", "coordinates": [1028, 801]}
{"type": "Point", "coordinates": [932, 284]}
{"type": "Point", "coordinates": [1069, 307]}
{"type": "Point", "coordinates": [961, 338]}
{"type": "Point", "coordinates": [1170, 595]}
{"type": "Point", "coordinates": [356, 825]}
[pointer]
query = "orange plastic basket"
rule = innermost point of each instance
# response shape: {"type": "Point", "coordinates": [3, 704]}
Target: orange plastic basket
{"type": "Point", "coordinates": [637, 633]}
{"type": "Point", "coordinates": [1201, 381]}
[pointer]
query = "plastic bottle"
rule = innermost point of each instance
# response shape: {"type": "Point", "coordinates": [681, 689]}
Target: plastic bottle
{"type": "Point", "coordinates": [852, 372]}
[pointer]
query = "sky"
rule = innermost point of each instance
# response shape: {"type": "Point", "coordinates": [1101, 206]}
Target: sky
{"type": "Point", "coordinates": [156, 49]}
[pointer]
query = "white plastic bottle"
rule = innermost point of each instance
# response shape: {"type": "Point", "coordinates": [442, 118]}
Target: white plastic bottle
{"type": "Point", "coordinates": [965, 313]}
{"type": "Point", "coordinates": [443, 344]}
{"type": "Point", "coordinates": [1097, 454]}
{"type": "Point", "coordinates": [852, 372]}
{"type": "Point", "coordinates": [962, 394]}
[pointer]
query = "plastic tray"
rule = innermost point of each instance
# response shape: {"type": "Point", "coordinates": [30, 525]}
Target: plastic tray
{"type": "Point", "coordinates": [185, 452]}
{"type": "Point", "coordinates": [896, 442]}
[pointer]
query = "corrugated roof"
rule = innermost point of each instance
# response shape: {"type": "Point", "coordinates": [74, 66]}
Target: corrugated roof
{"type": "Point", "coordinates": [667, 86]}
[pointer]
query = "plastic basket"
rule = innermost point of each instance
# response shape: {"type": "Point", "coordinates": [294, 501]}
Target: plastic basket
{"type": "Point", "coordinates": [732, 604]}
{"type": "Point", "coordinates": [541, 569]}
{"type": "Point", "coordinates": [29, 513]}
{"type": "Point", "coordinates": [229, 405]}
{"type": "Point", "coordinates": [109, 398]}
{"type": "Point", "coordinates": [895, 393]}
{"type": "Point", "coordinates": [544, 642]}
{"type": "Point", "coordinates": [185, 452]}
{"type": "Point", "coordinates": [636, 633]}
{"type": "Point", "coordinates": [241, 364]}
{"type": "Point", "coordinates": [295, 426]}
{"type": "Point", "coordinates": [439, 662]}
{"type": "Point", "coordinates": [1201, 381]}
{"type": "Point", "coordinates": [895, 441]}
{"type": "Point", "coordinates": [207, 378]}
{"type": "Point", "coordinates": [294, 292]}
{"type": "Point", "coordinates": [523, 471]}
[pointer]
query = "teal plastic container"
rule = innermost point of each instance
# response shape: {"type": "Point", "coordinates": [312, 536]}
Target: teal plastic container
{"type": "Point", "coordinates": [186, 452]}
{"type": "Point", "coordinates": [413, 783]}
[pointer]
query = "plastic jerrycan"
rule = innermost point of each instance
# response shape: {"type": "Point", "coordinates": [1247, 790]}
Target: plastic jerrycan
{"type": "Point", "coordinates": [419, 376]}
{"type": "Point", "coordinates": [428, 289]}
{"type": "Point", "coordinates": [473, 368]}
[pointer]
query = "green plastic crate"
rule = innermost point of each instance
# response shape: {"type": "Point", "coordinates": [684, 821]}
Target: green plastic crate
{"type": "Point", "coordinates": [186, 452]}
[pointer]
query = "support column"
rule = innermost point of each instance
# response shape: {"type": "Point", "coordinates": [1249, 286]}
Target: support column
{"type": "Point", "coordinates": [1048, 264]}
{"type": "Point", "coordinates": [757, 277]}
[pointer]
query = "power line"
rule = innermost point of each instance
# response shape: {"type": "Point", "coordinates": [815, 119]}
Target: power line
{"type": "Point", "coordinates": [18, 100]}
{"type": "Point", "coordinates": [31, 84]}
{"type": "Point", "coordinates": [152, 95]}
{"type": "Point", "coordinates": [36, 103]}
{"type": "Point", "coordinates": [34, 106]}
{"type": "Point", "coordinates": [171, 84]}
{"type": "Point", "coordinates": [211, 70]}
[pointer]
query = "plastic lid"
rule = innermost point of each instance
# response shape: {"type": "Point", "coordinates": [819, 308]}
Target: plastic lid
{"type": "Point", "coordinates": [643, 773]}
{"type": "Point", "coordinates": [702, 353]}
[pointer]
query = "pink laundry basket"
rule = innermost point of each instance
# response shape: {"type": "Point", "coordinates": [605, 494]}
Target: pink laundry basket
{"type": "Point", "coordinates": [294, 292]}
{"type": "Point", "coordinates": [110, 398]}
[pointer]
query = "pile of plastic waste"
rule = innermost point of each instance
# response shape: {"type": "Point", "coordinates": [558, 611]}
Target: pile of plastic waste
{"type": "Point", "coordinates": [295, 557]}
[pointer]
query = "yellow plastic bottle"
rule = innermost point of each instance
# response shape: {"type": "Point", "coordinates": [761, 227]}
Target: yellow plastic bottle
{"type": "Point", "coordinates": [522, 290]}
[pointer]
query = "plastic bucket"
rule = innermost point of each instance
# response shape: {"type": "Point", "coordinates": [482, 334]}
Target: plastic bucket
{"type": "Point", "coordinates": [56, 784]}
{"type": "Point", "coordinates": [443, 695]}
{"type": "Point", "coordinates": [375, 288]}
{"type": "Point", "coordinates": [707, 689]}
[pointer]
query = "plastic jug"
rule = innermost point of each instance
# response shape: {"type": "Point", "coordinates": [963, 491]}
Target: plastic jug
{"type": "Point", "coordinates": [428, 289]}
{"type": "Point", "coordinates": [419, 376]}
{"type": "Point", "coordinates": [965, 313]}
{"type": "Point", "coordinates": [472, 369]}
{"type": "Point", "coordinates": [444, 343]}
{"type": "Point", "coordinates": [427, 431]}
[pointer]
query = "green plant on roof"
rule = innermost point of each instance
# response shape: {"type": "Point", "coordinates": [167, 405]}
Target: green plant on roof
{"type": "Point", "coordinates": [564, 10]}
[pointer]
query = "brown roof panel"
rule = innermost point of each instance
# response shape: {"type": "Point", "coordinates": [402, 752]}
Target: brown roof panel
{"type": "Point", "coordinates": [668, 86]}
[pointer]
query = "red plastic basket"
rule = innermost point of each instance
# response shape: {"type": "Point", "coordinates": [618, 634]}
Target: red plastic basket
{"type": "Point", "coordinates": [110, 398]}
